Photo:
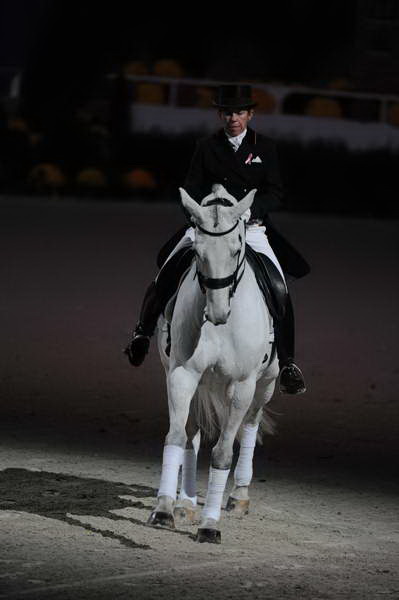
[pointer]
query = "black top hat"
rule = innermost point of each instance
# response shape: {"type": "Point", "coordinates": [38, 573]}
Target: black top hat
{"type": "Point", "coordinates": [234, 96]}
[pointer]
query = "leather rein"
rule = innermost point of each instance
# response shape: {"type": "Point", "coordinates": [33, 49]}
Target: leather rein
{"type": "Point", "coordinates": [218, 283]}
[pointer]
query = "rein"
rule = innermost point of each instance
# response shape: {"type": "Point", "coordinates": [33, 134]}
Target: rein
{"type": "Point", "coordinates": [218, 283]}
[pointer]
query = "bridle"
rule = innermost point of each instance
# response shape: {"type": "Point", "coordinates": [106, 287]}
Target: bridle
{"type": "Point", "coordinates": [218, 283]}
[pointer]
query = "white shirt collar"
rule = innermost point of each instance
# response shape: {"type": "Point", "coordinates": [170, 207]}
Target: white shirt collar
{"type": "Point", "coordinates": [236, 140]}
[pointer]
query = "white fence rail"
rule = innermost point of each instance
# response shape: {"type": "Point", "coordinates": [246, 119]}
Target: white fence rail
{"type": "Point", "coordinates": [363, 120]}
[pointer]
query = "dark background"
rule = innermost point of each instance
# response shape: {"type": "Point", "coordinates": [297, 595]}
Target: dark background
{"type": "Point", "coordinates": [70, 115]}
{"type": "Point", "coordinates": [64, 51]}
{"type": "Point", "coordinates": [75, 263]}
{"type": "Point", "coordinates": [74, 42]}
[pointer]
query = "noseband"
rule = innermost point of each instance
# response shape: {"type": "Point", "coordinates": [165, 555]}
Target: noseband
{"type": "Point", "coordinates": [218, 283]}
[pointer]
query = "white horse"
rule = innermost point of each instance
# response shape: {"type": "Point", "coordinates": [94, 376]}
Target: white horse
{"type": "Point", "coordinates": [220, 372]}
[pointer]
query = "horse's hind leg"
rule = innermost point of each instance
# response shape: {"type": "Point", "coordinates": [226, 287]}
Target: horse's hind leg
{"type": "Point", "coordinates": [181, 388]}
{"type": "Point", "coordinates": [238, 501]}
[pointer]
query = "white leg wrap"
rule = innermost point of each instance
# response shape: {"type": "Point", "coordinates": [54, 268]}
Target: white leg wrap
{"type": "Point", "coordinates": [214, 497]}
{"type": "Point", "coordinates": [243, 470]}
{"type": "Point", "coordinates": [172, 459]}
{"type": "Point", "coordinates": [188, 489]}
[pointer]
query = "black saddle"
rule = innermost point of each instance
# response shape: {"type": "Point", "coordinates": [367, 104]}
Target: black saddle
{"type": "Point", "coordinates": [267, 275]}
{"type": "Point", "coordinates": [269, 280]}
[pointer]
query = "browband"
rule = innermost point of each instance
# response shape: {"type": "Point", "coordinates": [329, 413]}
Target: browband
{"type": "Point", "coordinates": [215, 233]}
{"type": "Point", "coordinates": [221, 201]}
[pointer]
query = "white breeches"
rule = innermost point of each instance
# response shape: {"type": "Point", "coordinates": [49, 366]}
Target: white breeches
{"type": "Point", "coordinates": [256, 237]}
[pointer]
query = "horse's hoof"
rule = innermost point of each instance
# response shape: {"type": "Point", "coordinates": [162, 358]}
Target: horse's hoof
{"type": "Point", "coordinates": [161, 518]}
{"type": "Point", "coordinates": [237, 507]}
{"type": "Point", "coordinates": [213, 536]}
{"type": "Point", "coordinates": [185, 516]}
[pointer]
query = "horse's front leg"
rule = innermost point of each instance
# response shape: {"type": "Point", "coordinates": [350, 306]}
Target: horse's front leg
{"type": "Point", "coordinates": [181, 385]}
{"type": "Point", "coordinates": [238, 501]}
{"type": "Point", "coordinates": [222, 455]}
{"type": "Point", "coordinates": [186, 505]}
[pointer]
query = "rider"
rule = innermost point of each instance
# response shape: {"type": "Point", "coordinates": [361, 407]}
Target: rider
{"type": "Point", "coordinates": [240, 159]}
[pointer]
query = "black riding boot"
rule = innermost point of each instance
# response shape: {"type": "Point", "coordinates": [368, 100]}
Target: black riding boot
{"type": "Point", "coordinates": [291, 377]}
{"type": "Point", "coordinates": [149, 314]}
{"type": "Point", "coordinates": [156, 297]}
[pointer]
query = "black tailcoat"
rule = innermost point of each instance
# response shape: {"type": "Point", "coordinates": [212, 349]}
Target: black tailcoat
{"type": "Point", "coordinates": [215, 161]}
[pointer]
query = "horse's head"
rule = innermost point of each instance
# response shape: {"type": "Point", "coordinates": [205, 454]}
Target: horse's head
{"type": "Point", "coordinates": [219, 247]}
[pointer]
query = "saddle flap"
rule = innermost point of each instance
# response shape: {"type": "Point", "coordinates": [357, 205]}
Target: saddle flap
{"type": "Point", "coordinates": [170, 305]}
{"type": "Point", "coordinates": [269, 280]}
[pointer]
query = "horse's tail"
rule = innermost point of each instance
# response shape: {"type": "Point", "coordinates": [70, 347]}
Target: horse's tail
{"type": "Point", "coordinates": [211, 410]}
{"type": "Point", "coordinates": [267, 425]}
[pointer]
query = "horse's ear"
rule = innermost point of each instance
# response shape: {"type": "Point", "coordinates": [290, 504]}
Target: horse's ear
{"type": "Point", "coordinates": [244, 204]}
{"type": "Point", "coordinates": [191, 205]}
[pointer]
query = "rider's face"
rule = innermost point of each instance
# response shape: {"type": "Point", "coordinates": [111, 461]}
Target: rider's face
{"type": "Point", "coordinates": [235, 122]}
